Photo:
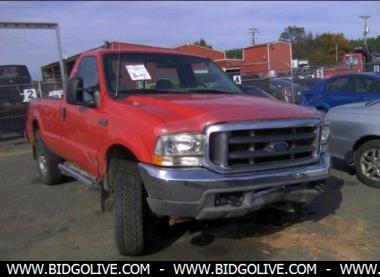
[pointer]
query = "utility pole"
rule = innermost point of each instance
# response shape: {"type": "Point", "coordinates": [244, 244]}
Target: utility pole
{"type": "Point", "coordinates": [366, 30]}
{"type": "Point", "coordinates": [253, 32]}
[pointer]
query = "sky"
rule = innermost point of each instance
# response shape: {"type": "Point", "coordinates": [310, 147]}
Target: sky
{"type": "Point", "coordinates": [224, 25]}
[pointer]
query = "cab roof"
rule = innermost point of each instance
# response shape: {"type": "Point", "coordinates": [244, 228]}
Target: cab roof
{"type": "Point", "coordinates": [139, 50]}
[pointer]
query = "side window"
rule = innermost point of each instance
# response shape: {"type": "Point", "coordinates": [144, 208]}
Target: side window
{"type": "Point", "coordinates": [87, 70]}
{"type": "Point", "coordinates": [367, 85]}
{"type": "Point", "coordinates": [344, 84]}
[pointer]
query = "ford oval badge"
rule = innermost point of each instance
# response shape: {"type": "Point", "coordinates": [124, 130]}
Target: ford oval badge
{"type": "Point", "coordinates": [278, 146]}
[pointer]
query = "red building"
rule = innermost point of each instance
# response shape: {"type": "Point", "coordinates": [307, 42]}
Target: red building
{"type": "Point", "coordinates": [230, 65]}
{"type": "Point", "coordinates": [265, 60]}
{"type": "Point", "coordinates": [262, 60]}
{"type": "Point", "coordinates": [212, 54]}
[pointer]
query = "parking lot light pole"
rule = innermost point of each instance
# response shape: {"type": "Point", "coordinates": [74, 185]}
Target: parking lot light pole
{"type": "Point", "coordinates": [292, 84]}
{"type": "Point", "coordinates": [42, 26]}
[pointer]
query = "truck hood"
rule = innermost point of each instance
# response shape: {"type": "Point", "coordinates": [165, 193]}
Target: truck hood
{"type": "Point", "coordinates": [191, 112]}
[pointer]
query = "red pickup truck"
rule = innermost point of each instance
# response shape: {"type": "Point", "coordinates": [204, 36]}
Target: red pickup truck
{"type": "Point", "coordinates": [170, 135]}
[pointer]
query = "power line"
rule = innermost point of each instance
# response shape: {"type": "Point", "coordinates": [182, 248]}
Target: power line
{"type": "Point", "coordinates": [253, 32]}
{"type": "Point", "coordinates": [366, 30]}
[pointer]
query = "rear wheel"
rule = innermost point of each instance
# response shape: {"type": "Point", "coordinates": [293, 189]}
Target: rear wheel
{"type": "Point", "coordinates": [367, 163]}
{"type": "Point", "coordinates": [133, 220]}
{"type": "Point", "coordinates": [47, 162]}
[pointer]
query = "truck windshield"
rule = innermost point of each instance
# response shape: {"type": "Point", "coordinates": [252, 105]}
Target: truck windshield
{"type": "Point", "coordinates": [139, 73]}
{"type": "Point", "coordinates": [14, 75]}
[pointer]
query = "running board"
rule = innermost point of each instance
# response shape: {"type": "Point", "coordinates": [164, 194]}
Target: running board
{"type": "Point", "coordinates": [79, 176]}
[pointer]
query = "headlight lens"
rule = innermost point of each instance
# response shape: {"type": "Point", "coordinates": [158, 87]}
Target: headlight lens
{"type": "Point", "coordinates": [325, 137]}
{"type": "Point", "coordinates": [179, 150]}
{"type": "Point", "coordinates": [325, 134]}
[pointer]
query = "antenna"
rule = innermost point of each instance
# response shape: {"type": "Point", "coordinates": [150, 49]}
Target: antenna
{"type": "Point", "coordinates": [253, 32]}
{"type": "Point", "coordinates": [118, 72]}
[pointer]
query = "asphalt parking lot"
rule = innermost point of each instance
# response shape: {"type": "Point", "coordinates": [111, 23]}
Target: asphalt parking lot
{"type": "Point", "coordinates": [64, 222]}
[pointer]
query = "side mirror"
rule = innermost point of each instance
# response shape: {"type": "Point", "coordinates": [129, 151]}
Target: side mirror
{"type": "Point", "coordinates": [74, 88]}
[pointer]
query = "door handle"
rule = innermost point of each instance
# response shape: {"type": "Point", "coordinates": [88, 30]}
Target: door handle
{"type": "Point", "coordinates": [103, 122]}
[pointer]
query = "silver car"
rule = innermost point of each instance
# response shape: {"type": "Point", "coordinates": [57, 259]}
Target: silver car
{"type": "Point", "coordinates": [355, 138]}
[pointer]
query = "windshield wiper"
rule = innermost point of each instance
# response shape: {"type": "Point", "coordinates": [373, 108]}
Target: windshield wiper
{"type": "Point", "coordinates": [143, 91]}
{"type": "Point", "coordinates": [211, 91]}
{"type": "Point", "coordinates": [373, 102]}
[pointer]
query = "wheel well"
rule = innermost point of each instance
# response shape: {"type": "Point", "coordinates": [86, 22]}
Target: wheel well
{"type": "Point", "coordinates": [363, 140]}
{"type": "Point", "coordinates": [116, 152]}
{"type": "Point", "coordinates": [120, 151]}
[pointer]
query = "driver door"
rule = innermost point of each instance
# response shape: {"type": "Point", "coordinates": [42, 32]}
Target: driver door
{"type": "Point", "coordinates": [79, 122]}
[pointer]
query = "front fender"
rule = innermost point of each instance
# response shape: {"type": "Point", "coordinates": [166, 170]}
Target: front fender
{"type": "Point", "coordinates": [134, 144]}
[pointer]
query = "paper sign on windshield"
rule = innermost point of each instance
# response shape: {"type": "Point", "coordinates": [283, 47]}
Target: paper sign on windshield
{"type": "Point", "coordinates": [138, 72]}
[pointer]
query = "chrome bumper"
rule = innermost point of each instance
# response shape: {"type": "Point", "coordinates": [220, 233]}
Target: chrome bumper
{"type": "Point", "coordinates": [192, 192]}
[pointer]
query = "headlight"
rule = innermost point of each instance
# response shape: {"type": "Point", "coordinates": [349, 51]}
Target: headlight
{"type": "Point", "coordinates": [179, 150]}
{"type": "Point", "coordinates": [325, 134]}
{"type": "Point", "coordinates": [325, 137]}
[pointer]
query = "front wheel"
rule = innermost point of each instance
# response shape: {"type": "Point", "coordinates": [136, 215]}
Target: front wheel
{"type": "Point", "coordinates": [133, 219]}
{"type": "Point", "coordinates": [367, 163]}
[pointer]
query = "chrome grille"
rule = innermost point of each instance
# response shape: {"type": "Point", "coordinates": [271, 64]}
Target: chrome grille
{"type": "Point", "coordinates": [248, 146]}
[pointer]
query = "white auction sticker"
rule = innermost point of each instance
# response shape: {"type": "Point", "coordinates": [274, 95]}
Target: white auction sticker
{"type": "Point", "coordinates": [56, 93]}
{"type": "Point", "coordinates": [29, 94]}
{"type": "Point", "coordinates": [138, 72]}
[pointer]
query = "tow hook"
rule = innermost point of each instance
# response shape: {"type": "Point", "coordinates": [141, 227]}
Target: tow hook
{"type": "Point", "coordinates": [319, 187]}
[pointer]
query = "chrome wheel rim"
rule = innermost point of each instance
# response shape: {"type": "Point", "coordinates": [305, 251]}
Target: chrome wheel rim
{"type": "Point", "coordinates": [370, 164]}
{"type": "Point", "coordinates": [42, 164]}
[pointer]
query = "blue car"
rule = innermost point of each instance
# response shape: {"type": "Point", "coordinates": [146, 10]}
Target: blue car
{"type": "Point", "coordinates": [343, 89]}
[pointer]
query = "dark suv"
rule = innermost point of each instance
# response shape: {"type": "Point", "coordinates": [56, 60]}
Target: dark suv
{"type": "Point", "coordinates": [15, 81]}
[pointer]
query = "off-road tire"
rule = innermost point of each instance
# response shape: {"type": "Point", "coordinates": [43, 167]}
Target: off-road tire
{"type": "Point", "coordinates": [49, 174]}
{"type": "Point", "coordinates": [132, 216]}
{"type": "Point", "coordinates": [371, 144]}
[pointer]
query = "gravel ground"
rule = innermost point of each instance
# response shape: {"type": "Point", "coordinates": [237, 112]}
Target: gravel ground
{"type": "Point", "coordinates": [64, 222]}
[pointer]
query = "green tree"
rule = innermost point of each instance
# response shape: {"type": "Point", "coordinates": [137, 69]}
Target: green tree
{"type": "Point", "coordinates": [372, 42]}
{"type": "Point", "coordinates": [298, 38]}
{"type": "Point", "coordinates": [324, 52]}
{"type": "Point", "coordinates": [235, 53]}
{"type": "Point", "coordinates": [202, 42]}
{"type": "Point", "coordinates": [293, 34]}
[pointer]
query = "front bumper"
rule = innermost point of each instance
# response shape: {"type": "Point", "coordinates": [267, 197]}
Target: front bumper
{"type": "Point", "coordinates": [203, 194]}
